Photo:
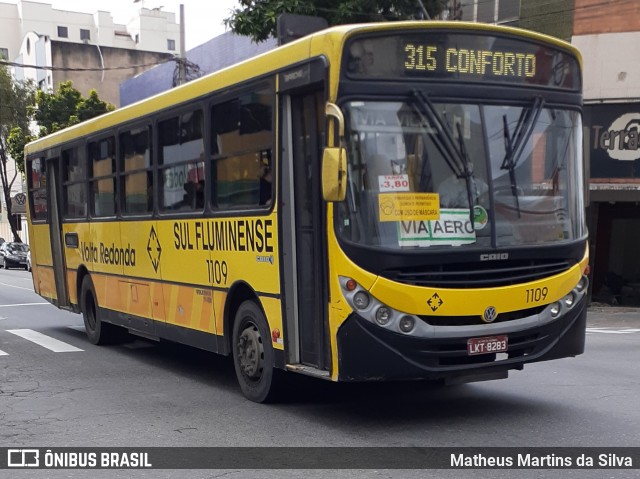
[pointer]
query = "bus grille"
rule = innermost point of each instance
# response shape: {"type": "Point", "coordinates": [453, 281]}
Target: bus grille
{"type": "Point", "coordinates": [476, 320]}
{"type": "Point", "coordinates": [478, 274]}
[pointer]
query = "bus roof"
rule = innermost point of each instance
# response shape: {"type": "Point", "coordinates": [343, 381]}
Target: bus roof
{"type": "Point", "coordinates": [328, 41]}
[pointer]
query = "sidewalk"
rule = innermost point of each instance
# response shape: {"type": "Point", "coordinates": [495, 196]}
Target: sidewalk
{"type": "Point", "coordinates": [613, 315]}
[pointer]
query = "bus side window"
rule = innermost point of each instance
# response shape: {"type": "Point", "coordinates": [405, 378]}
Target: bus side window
{"type": "Point", "coordinates": [241, 145]}
{"type": "Point", "coordinates": [181, 162]}
{"type": "Point", "coordinates": [74, 186]}
{"type": "Point", "coordinates": [135, 170]}
{"type": "Point", "coordinates": [102, 186]}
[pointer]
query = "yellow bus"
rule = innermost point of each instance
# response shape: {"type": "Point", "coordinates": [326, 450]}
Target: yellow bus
{"type": "Point", "coordinates": [370, 202]}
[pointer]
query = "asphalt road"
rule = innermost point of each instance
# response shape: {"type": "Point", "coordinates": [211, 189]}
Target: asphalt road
{"type": "Point", "coordinates": [143, 394]}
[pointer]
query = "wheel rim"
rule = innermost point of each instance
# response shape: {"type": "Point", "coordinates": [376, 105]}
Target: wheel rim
{"type": "Point", "coordinates": [251, 352]}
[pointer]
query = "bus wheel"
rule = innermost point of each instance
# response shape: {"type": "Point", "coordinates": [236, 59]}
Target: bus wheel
{"type": "Point", "coordinates": [253, 353]}
{"type": "Point", "coordinates": [98, 332]}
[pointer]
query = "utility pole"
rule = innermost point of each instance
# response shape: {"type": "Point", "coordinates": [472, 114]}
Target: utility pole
{"type": "Point", "coordinates": [182, 62]}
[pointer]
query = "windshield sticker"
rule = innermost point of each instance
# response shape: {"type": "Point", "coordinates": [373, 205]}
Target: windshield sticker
{"type": "Point", "coordinates": [389, 183]}
{"type": "Point", "coordinates": [480, 217]}
{"type": "Point", "coordinates": [452, 229]}
{"type": "Point", "coordinates": [409, 206]}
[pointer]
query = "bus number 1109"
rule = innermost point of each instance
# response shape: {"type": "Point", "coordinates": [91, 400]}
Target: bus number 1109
{"type": "Point", "coordinates": [535, 295]}
{"type": "Point", "coordinates": [218, 271]}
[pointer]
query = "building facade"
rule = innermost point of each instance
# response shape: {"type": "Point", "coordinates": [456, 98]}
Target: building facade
{"type": "Point", "coordinates": [606, 34]}
{"type": "Point", "coordinates": [37, 34]}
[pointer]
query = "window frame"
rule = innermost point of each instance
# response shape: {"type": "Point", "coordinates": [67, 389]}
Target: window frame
{"type": "Point", "coordinates": [63, 31]}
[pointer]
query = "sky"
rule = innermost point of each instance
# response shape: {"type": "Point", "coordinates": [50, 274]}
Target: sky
{"type": "Point", "coordinates": [203, 18]}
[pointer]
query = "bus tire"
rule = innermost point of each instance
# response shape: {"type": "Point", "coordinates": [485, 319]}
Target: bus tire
{"type": "Point", "coordinates": [253, 355]}
{"type": "Point", "coordinates": [98, 331]}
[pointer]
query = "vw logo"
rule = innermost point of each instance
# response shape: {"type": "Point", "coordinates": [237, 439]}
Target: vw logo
{"type": "Point", "coordinates": [490, 314]}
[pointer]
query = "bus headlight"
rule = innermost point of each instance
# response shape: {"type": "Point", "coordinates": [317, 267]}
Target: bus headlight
{"type": "Point", "coordinates": [569, 300]}
{"type": "Point", "coordinates": [406, 324]}
{"type": "Point", "coordinates": [582, 284]}
{"type": "Point", "coordinates": [383, 315]}
{"type": "Point", "coordinates": [361, 300]}
{"type": "Point", "coordinates": [555, 309]}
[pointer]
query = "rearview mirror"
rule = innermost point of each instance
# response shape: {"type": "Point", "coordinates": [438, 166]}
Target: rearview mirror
{"type": "Point", "coordinates": [334, 159]}
{"type": "Point", "coordinates": [334, 173]}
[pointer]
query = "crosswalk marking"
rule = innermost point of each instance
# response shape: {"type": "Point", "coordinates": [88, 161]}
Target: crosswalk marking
{"type": "Point", "coordinates": [45, 341]}
{"type": "Point", "coordinates": [2, 353]}
{"type": "Point", "coordinates": [605, 330]}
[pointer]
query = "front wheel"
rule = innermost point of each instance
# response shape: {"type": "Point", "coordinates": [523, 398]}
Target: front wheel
{"type": "Point", "coordinates": [253, 355]}
{"type": "Point", "coordinates": [98, 331]}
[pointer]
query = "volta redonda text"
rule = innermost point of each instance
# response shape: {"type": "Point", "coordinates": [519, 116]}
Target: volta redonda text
{"type": "Point", "coordinates": [430, 58]}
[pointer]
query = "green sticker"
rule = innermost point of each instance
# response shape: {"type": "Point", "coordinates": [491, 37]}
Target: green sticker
{"type": "Point", "coordinates": [480, 217]}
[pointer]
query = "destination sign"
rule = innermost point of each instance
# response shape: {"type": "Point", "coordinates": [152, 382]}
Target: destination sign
{"type": "Point", "coordinates": [468, 57]}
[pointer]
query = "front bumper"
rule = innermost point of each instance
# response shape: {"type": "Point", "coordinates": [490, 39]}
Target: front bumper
{"type": "Point", "coordinates": [368, 352]}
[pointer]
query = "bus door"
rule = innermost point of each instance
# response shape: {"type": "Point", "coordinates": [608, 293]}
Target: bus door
{"type": "Point", "coordinates": [303, 230]}
{"type": "Point", "coordinates": [55, 230]}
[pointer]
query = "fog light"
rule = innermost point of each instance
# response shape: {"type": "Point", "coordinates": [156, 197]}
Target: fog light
{"type": "Point", "coordinates": [582, 284]}
{"type": "Point", "coordinates": [383, 316]}
{"type": "Point", "coordinates": [407, 323]}
{"type": "Point", "coordinates": [569, 300]}
{"type": "Point", "coordinates": [555, 309]}
{"type": "Point", "coordinates": [361, 300]}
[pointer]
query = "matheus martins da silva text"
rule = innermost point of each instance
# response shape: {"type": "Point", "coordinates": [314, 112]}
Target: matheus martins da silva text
{"type": "Point", "coordinates": [542, 461]}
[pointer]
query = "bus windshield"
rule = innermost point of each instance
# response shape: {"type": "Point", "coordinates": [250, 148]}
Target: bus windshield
{"type": "Point", "coordinates": [428, 174]}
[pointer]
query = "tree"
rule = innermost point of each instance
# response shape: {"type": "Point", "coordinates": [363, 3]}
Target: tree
{"type": "Point", "coordinates": [66, 107]}
{"type": "Point", "coordinates": [16, 99]}
{"type": "Point", "coordinates": [257, 18]}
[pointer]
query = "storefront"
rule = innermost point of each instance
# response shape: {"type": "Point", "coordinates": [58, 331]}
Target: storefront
{"type": "Point", "coordinates": [613, 158]}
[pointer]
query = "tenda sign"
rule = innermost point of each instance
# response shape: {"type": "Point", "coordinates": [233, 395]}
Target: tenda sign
{"type": "Point", "coordinates": [614, 140]}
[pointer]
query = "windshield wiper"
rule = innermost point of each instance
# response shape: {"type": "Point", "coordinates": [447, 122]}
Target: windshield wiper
{"type": "Point", "coordinates": [514, 143]}
{"type": "Point", "coordinates": [444, 140]}
{"type": "Point", "coordinates": [456, 157]}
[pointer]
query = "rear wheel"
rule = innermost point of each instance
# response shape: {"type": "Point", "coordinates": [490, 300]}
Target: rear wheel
{"type": "Point", "coordinates": [98, 331]}
{"type": "Point", "coordinates": [253, 355]}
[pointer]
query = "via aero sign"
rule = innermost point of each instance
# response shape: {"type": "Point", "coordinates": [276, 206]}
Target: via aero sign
{"type": "Point", "coordinates": [19, 204]}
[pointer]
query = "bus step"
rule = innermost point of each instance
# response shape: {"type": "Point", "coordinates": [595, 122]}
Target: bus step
{"type": "Point", "coordinates": [309, 371]}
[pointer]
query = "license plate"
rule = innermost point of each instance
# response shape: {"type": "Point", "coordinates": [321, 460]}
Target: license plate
{"type": "Point", "coordinates": [491, 344]}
